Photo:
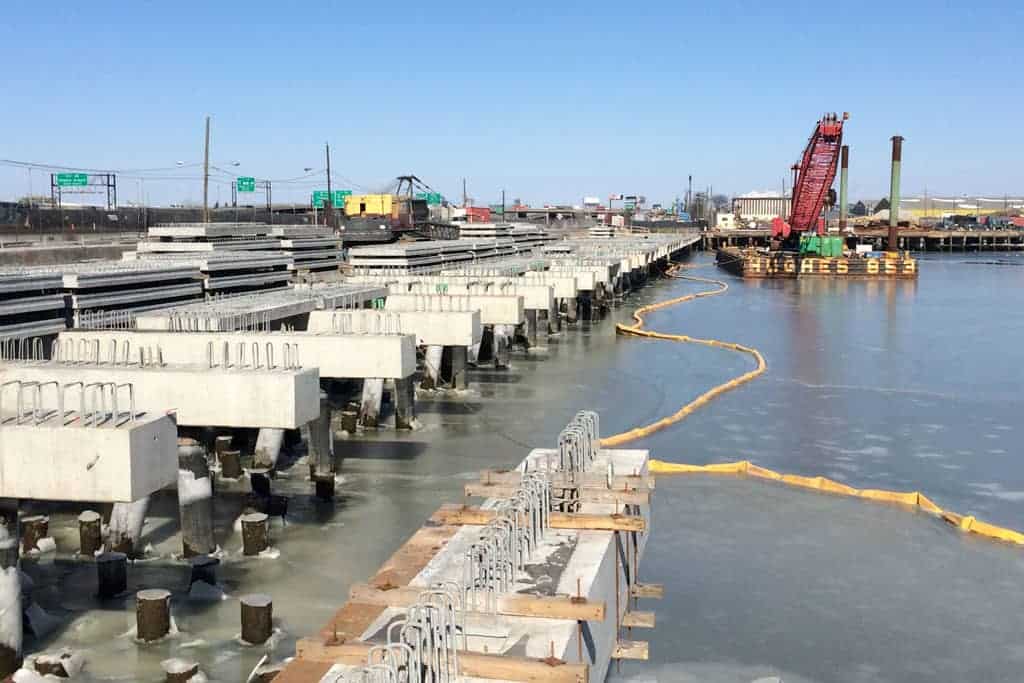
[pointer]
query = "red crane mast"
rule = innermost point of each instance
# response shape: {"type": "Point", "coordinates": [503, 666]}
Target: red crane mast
{"type": "Point", "coordinates": [815, 174]}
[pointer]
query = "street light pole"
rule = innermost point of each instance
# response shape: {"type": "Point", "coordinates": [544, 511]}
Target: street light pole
{"type": "Point", "coordinates": [206, 174]}
{"type": "Point", "coordinates": [328, 204]}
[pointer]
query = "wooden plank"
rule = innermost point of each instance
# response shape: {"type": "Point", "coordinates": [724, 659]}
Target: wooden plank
{"type": "Point", "coordinates": [589, 480]}
{"type": "Point", "coordinates": [352, 620]}
{"type": "Point", "coordinates": [513, 605]}
{"type": "Point", "coordinates": [302, 671]}
{"type": "Point", "coordinates": [470, 663]}
{"type": "Point", "coordinates": [587, 495]}
{"type": "Point", "coordinates": [630, 649]}
{"type": "Point", "coordinates": [638, 620]}
{"type": "Point", "coordinates": [655, 591]}
{"type": "Point", "coordinates": [475, 516]}
{"type": "Point", "coordinates": [409, 560]}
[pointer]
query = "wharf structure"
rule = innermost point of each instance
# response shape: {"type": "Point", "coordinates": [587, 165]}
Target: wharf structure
{"type": "Point", "coordinates": [913, 239]}
{"type": "Point", "coordinates": [232, 380]}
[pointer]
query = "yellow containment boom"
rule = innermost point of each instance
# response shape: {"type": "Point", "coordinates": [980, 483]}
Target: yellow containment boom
{"type": "Point", "coordinates": [684, 412]}
{"type": "Point", "coordinates": [914, 499]}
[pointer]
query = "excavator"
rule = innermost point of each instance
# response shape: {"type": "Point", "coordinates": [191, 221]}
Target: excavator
{"type": "Point", "coordinates": [812, 187]}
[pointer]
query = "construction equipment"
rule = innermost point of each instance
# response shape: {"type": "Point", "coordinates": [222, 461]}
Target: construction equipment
{"type": "Point", "coordinates": [813, 183]}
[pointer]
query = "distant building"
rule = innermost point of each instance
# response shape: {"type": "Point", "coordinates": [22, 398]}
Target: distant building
{"type": "Point", "coordinates": [761, 206]}
{"type": "Point", "coordinates": [726, 221]}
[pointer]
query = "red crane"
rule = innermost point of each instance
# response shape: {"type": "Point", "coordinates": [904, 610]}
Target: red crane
{"type": "Point", "coordinates": [815, 173]}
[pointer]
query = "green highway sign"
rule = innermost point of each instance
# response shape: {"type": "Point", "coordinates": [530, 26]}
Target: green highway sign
{"type": "Point", "coordinates": [338, 200]}
{"type": "Point", "coordinates": [72, 179]}
{"type": "Point", "coordinates": [431, 197]}
{"type": "Point", "coordinates": [245, 184]}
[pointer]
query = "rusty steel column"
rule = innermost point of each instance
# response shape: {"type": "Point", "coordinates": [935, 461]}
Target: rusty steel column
{"type": "Point", "coordinates": [894, 194]}
{"type": "Point", "coordinates": [844, 168]}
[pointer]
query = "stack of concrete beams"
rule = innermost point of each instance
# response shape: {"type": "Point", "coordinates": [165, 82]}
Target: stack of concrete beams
{"type": "Point", "coordinates": [114, 288]}
{"type": "Point", "coordinates": [230, 271]}
{"type": "Point", "coordinates": [530, 236]}
{"type": "Point", "coordinates": [427, 256]}
{"type": "Point", "coordinates": [522, 236]}
{"type": "Point", "coordinates": [240, 257]}
{"type": "Point", "coordinates": [485, 230]}
{"type": "Point", "coordinates": [602, 231]}
{"type": "Point", "coordinates": [312, 247]}
{"type": "Point", "coordinates": [313, 254]}
{"type": "Point", "coordinates": [32, 302]}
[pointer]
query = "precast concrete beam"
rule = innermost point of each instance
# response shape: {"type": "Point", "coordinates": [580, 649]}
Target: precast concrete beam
{"type": "Point", "coordinates": [337, 356]}
{"type": "Point", "coordinates": [494, 309]}
{"type": "Point", "coordinates": [538, 297]}
{"type": "Point", "coordinates": [200, 396]}
{"type": "Point", "coordinates": [431, 328]}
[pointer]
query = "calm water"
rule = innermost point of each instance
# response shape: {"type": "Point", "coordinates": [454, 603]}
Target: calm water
{"type": "Point", "coordinates": [896, 385]}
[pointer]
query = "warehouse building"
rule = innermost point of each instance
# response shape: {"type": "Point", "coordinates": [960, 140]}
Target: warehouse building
{"type": "Point", "coordinates": [761, 206]}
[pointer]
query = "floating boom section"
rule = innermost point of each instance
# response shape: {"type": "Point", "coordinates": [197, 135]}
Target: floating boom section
{"type": "Point", "coordinates": [815, 174]}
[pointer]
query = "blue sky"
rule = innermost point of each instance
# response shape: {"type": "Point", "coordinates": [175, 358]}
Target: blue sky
{"type": "Point", "coordinates": [551, 101]}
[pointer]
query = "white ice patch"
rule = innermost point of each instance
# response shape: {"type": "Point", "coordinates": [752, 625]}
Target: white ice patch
{"type": "Point", "coordinates": [996, 490]}
{"type": "Point", "coordinates": [270, 553]}
{"type": "Point", "coordinates": [10, 608]}
{"type": "Point", "coordinates": [928, 455]}
{"type": "Point", "coordinates": [192, 490]}
{"type": "Point", "coordinates": [878, 437]}
{"type": "Point", "coordinates": [6, 540]}
{"type": "Point", "coordinates": [72, 661]}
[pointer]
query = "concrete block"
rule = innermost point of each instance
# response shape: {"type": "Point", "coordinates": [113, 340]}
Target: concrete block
{"type": "Point", "coordinates": [106, 464]}
{"type": "Point", "coordinates": [200, 396]}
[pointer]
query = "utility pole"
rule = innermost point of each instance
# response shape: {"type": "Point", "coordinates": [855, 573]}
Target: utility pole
{"type": "Point", "coordinates": [893, 245]}
{"type": "Point", "coordinates": [328, 205]}
{"type": "Point", "coordinates": [503, 206]}
{"type": "Point", "coordinates": [463, 193]}
{"type": "Point", "coordinates": [206, 174]}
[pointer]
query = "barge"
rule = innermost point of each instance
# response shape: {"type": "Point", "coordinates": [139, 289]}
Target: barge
{"type": "Point", "coordinates": [762, 263]}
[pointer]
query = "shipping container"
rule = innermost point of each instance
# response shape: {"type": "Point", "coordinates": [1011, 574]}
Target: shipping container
{"type": "Point", "coordinates": [478, 214]}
